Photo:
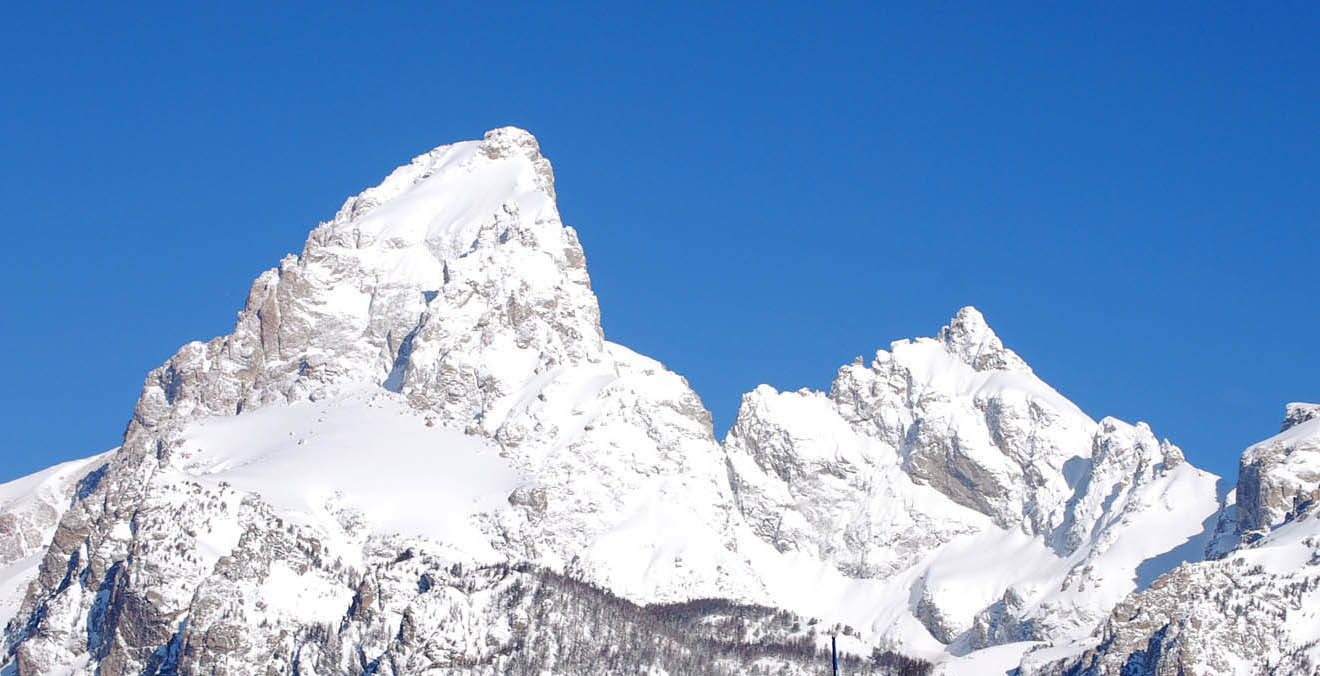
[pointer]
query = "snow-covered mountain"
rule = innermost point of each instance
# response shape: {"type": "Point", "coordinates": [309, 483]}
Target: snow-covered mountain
{"type": "Point", "coordinates": [976, 505]}
{"type": "Point", "coordinates": [417, 453]}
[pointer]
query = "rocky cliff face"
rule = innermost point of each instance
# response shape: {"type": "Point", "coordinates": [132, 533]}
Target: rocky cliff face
{"type": "Point", "coordinates": [417, 453]}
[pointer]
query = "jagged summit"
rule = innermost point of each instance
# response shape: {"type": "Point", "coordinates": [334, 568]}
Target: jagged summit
{"type": "Point", "coordinates": [510, 140]}
{"type": "Point", "coordinates": [970, 338]}
{"type": "Point", "coordinates": [454, 266]}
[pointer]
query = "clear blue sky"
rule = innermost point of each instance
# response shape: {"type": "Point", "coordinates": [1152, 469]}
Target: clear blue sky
{"type": "Point", "coordinates": [1128, 193]}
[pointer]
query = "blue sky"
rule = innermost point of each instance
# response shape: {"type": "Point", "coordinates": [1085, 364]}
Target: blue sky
{"type": "Point", "coordinates": [1129, 193]}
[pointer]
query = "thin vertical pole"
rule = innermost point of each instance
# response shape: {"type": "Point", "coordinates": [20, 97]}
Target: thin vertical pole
{"type": "Point", "coordinates": [834, 652]}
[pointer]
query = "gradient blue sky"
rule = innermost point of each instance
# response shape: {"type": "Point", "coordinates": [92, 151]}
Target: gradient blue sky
{"type": "Point", "coordinates": [1128, 193]}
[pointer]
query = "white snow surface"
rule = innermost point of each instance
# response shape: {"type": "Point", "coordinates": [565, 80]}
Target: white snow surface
{"type": "Point", "coordinates": [996, 661]}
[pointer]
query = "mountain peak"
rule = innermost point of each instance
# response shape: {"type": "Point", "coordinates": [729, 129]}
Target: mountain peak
{"type": "Point", "coordinates": [445, 198]}
{"type": "Point", "coordinates": [509, 141]}
{"type": "Point", "coordinates": [971, 339]}
{"type": "Point", "coordinates": [515, 142]}
{"type": "Point", "coordinates": [506, 161]}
